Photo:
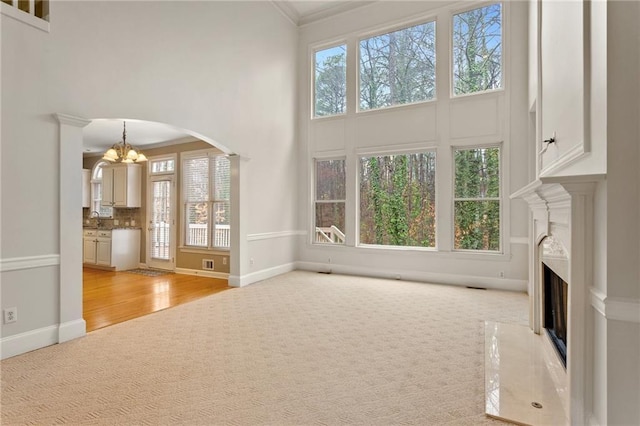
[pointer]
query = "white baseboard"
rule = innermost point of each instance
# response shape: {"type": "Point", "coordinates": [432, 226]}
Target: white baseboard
{"type": "Point", "coordinates": [200, 273]}
{"type": "Point", "coordinates": [28, 341]}
{"type": "Point", "coordinates": [241, 281]}
{"type": "Point", "coordinates": [72, 330]}
{"type": "Point", "coordinates": [428, 277]}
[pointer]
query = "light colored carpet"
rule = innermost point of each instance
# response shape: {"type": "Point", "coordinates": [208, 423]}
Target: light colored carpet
{"type": "Point", "coordinates": [299, 349]}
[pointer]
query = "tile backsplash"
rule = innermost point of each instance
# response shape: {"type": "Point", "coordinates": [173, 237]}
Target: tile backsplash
{"type": "Point", "coordinates": [121, 217]}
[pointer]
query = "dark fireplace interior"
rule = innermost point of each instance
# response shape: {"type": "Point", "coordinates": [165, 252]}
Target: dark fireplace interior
{"type": "Point", "coordinates": [555, 311]}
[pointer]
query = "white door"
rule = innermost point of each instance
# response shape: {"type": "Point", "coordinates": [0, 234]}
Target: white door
{"type": "Point", "coordinates": [161, 223]}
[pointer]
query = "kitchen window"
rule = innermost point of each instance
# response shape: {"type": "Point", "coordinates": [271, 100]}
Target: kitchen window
{"type": "Point", "coordinates": [206, 200]}
{"type": "Point", "coordinates": [96, 191]}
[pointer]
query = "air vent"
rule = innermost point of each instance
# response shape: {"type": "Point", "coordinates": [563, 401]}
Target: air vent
{"type": "Point", "coordinates": [207, 264]}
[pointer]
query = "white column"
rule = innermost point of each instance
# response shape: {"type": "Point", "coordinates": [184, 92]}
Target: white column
{"type": "Point", "coordinates": [71, 323]}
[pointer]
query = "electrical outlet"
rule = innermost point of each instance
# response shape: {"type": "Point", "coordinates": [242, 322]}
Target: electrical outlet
{"type": "Point", "coordinates": [501, 274]}
{"type": "Point", "coordinates": [251, 261]}
{"type": "Point", "coordinates": [10, 315]}
{"type": "Point", "coordinates": [224, 260]}
{"type": "Point", "coordinates": [329, 260]}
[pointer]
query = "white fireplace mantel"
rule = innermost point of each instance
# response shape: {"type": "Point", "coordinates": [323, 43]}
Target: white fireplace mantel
{"type": "Point", "coordinates": [562, 207]}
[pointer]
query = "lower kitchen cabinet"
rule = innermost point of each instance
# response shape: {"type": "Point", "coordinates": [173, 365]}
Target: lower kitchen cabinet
{"type": "Point", "coordinates": [115, 249]}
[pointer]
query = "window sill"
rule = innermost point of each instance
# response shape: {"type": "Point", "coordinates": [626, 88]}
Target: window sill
{"type": "Point", "coordinates": [198, 250]}
{"type": "Point", "coordinates": [24, 17]}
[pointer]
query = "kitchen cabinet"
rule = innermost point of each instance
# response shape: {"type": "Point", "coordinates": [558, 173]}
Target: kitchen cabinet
{"type": "Point", "coordinates": [86, 188]}
{"type": "Point", "coordinates": [114, 249]}
{"type": "Point", "coordinates": [122, 185]}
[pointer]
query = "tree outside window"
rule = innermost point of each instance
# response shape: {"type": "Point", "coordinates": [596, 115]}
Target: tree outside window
{"type": "Point", "coordinates": [477, 50]}
{"type": "Point", "coordinates": [330, 81]}
{"type": "Point", "coordinates": [398, 200]}
{"type": "Point", "coordinates": [477, 199]}
{"type": "Point", "coordinates": [398, 67]}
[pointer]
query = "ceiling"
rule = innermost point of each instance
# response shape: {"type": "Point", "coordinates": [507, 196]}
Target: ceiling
{"type": "Point", "coordinates": [100, 134]}
{"type": "Point", "coordinates": [302, 12]}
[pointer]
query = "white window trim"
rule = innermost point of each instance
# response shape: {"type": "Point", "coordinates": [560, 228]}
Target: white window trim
{"type": "Point", "coordinates": [183, 247]}
{"type": "Point", "coordinates": [432, 17]}
{"type": "Point", "coordinates": [503, 41]}
{"type": "Point", "coordinates": [94, 180]}
{"type": "Point", "coordinates": [396, 151]}
{"type": "Point", "coordinates": [315, 200]}
{"type": "Point", "coordinates": [312, 57]}
{"type": "Point", "coordinates": [159, 158]}
{"type": "Point", "coordinates": [500, 199]}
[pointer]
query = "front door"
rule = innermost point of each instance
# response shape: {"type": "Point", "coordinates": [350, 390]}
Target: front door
{"type": "Point", "coordinates": [162, 223]}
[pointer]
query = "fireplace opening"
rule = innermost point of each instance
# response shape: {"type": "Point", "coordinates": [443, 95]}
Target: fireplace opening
{"type": "Point", "coordinates": [555, 311]}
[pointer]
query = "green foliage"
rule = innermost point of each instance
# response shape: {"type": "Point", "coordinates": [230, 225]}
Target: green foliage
{"type": "Point", "coordinates": [477, 205]}
{"type": "Point", "coordinates": [397, 200]}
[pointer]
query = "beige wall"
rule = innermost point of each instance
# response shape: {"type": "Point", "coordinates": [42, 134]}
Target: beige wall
{"type": "Point", "coordinates": [183, 260]}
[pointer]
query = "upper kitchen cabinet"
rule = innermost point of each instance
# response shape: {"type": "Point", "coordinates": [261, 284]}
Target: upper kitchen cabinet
{"type": "Point", "coordinates": [122, 185]}
{"type": "Point", "coordinates": [86, 188]}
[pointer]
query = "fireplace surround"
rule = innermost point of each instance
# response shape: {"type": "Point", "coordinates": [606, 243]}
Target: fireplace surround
{"type": "Point", "coordinates": [561, 240]}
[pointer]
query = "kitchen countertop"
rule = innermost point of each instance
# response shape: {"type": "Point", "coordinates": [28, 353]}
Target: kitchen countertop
{"type": "Point", "coordinates": [110, 228]}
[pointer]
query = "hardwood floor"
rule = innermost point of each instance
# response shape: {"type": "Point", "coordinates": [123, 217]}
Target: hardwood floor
{"type": "Point", "coordinates": [113, 297]}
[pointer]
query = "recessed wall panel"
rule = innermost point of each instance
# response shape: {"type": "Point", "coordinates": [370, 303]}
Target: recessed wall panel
{"type": "Point", "coordinates": [396, 126]}
{"type": "Point", "coordinates": [328, 134]}
{"type": "Point", "coordinates": [474, 116]}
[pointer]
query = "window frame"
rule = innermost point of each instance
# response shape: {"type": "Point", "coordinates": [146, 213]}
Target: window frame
{"type": "Point", "coordinates": [500, 197]}
{"type": "Point", "coordinates": [184, 247]}
{"type": "Point", "coordinates": [92, 190]}
{"type": "Point", "coordinates": [312, 57]}
{"type": "Point", "coordinates": [385, 152]}
{"type": "Point", "coordinates": [161, 158]}
{"type": "Point", "coordinates": [503, 42]}
{"type": "Point", "coordinates": [315, 199]}
{"type": "Point", "coordinates": [425, 19]}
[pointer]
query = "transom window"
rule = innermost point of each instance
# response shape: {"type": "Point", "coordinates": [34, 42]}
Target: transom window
{"type": "Point", "coordinates": [477, 50]}
{"type": "Point", "coordinates": [162, 166]}
{"type": "Point", "coordinates": [398, 199]}
{"type": "Point", "coordinates": [477, 199]}
{"type": "Point", "coordinates": [206, 199]}
{"type": "Point", "coordinates": [330, 201]}
{"type": "Point", "coordinates": [330, 81]}
{"type": "Point", "coordinates": [398, 67]}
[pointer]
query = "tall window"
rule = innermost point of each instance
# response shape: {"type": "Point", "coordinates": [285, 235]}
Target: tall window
{"type": "Point", "coordinates": [398, 199]}
{"type": "Point", "coordinates": [330, 88]}
{"type": "Point", "coordinates": [477, 50]}
{"type": "Point", "coordinates": [330, 199]}
{"type": "Point", "coordinates": [398, 67]}
{"type": "Point", "coordinates": [96, 191]}
{"type": "Point", "coordinates": [477, 199]}
{"type": "Point", "coordinates": [206, 196]}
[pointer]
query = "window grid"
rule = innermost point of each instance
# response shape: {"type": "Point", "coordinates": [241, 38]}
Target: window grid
{"type": "Point", "coordinates": [206, 192]}
{"type": "Point", "coordinates": [330, 197]}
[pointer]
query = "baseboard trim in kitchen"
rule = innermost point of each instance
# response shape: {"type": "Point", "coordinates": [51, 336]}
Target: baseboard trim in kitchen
{"type": "Point", "coordinates": [197, 272]}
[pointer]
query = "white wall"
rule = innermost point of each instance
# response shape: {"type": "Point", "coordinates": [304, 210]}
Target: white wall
{"type": "Point", "coordinates": [223, 70]}
{"type": "Point", "coordinates": [499, 116]}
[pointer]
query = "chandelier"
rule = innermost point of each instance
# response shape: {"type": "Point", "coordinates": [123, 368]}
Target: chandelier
{"type": "Point", "coordinates": [122, 152]}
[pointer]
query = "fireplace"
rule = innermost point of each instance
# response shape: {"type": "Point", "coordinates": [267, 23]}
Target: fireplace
{"type": "Point", "coordinates": [555, 295]}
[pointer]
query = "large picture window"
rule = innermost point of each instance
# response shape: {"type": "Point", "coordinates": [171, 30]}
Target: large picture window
{"type": "Point", "coordinates": [398, 67]}
{"type": "Point", "coordinates": [477, 199]}
{"type": "Point", "coordinates": [330, 200]}
{"type": "Point", "coordinates": [477, 50]}
{"type": "Point", "coordinates": [330, 81]}
{"type": "Point", "coordinates": [206, 196]}
{"type": "Point", "coordinates": [398, 199]}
